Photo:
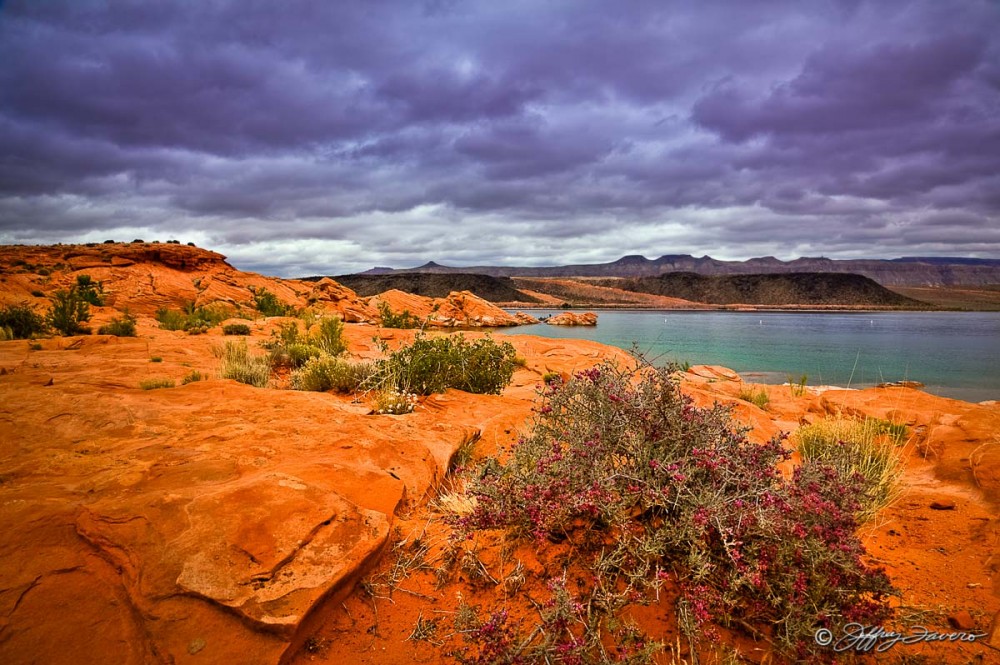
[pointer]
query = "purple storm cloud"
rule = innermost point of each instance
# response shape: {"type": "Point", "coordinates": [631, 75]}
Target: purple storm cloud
{"type": "Point", "coordinates": [327, 137]}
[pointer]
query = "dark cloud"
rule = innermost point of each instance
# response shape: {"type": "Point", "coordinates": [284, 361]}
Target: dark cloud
{"type": "Point", "coordinates": [326, 137]}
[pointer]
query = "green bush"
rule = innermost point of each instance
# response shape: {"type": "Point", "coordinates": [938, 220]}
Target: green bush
{"type": "Point", "coordinates": [122, 326]}
{"type": "Point", "coordinates": [68, 313]}
{"type": "Point", "coordinates": [153, 384]}
{"type": "Point", "coordinates": [391, 319]}
{"type": "Point", "coordinates": [330, 336]}
{"type": "Point", "coordinates": [236, 329]}
{"type": "Point", "coordinates": [90, 291]}
{"type": "Point", "coordinates": [170, 319]}
{"type": "Point", "coordinates": [237, 364]}
{"type": "Point", "coordinates": [194, 320]}
{"type": "Point", "coordinates": [289, 347]}
{"type": "Point", "coordinates": [268, 304]}
{"type": "Point", "coordinates": [22, 320]}
{"type": "Point", "coordinates": [6, 334]}
{"type": "Point", "coordinates": [326, 372]}
{"type": "Point", "coordinates": [865, 447]}
{"type": "Point", "coordinates": [434, 364]}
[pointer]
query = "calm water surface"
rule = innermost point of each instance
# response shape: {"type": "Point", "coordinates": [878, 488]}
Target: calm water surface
{"type": "Point", "coordinates": [956, 354]}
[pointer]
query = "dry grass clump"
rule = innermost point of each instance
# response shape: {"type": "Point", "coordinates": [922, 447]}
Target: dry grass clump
{"type": "Point", "coordinates": [757, 397]}
{"type": "Point", "coordinates": [153, 384]}
{"type": "Point", "coordinates": [868, 447]}
{"type": "Point", "coordinates": [325, 373]}
{"type": "Point", "coordinates": [239, 365]}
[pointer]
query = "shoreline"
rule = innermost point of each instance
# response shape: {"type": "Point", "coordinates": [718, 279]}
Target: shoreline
{"type": "Point", "coordinates": [804, 309]}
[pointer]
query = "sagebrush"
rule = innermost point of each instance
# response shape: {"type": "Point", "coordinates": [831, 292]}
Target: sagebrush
{"type": "Point", "coordinates": [434, 364]}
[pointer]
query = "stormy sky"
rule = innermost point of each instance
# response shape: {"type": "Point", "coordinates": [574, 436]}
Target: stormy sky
{"type": "Point", "coordinates": [326, 137]}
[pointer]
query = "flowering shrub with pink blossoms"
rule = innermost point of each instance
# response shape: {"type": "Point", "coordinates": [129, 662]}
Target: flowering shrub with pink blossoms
{"type": "Point", "coordinates": [654, 491]}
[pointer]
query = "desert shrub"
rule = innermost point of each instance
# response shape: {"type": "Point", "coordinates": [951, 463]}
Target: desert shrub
{"type": "Point", "coordinates": [170, 319]}
{"type": "Point", "coordinates": [68, 313]}
{"type": "Point", "coordinates": [325, 373]}
{"type": "Point", "coordinates": [191, 377]}
{"type": "Point", "coordinates": [393, 401]}
{"type": "Point", "coordinates": [90, 291]}
{"type": "Point", "coordinates": [650, 489]}
{"type": "Point", "coordinates": [296, 355]}
{"type": "Point", "coordinates": [236, 329]}
{"type": "Point", "coordinates": [153, 384]}
{"type": "Point", "coordinates": [268, 304]}
{"type": "Point", "coordinates": [6, 334]}
{"type": "Point", "coordinates": [289, 347]}
{"type": "Point", "coordinates": [120, 326]}
{"type": "Point", "coordinates": [194, 320]}
{"type": "Point", "coordinates": [864, 447]}
{"type": "Point", "coordinates": [391, 319]}
{"type": "Point", "coordinates": [22, 320]}
{"type": "Point", "coordinates": [156, 359]}
{"type": "Point", "coordinates": [330, 336]}
{"type": "Point", "coordinates": [35, 346]}
{"type": "Point", "coordinates": [758, 398]}
{"type": "Point", "coordinates": [434, 364]}
{"type": "Point", "coordinates": [550, 377]}
{"type": "Point", "coordinates": [237, 364]}
{"type": "Point", "coordinates": [38, 294]}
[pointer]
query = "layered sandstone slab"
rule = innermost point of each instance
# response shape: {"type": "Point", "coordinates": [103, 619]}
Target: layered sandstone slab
{"type": "Point", "coordinates": [207, 522]}
{"type": "Point", "coordinates": [572, 319]}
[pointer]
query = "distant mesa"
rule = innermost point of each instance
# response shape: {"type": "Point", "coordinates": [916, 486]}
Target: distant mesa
{"type": "Point", "coordinates": [434, 285]}
{"type": "Point", "coordinates": [905, 271]}
{"type": "Point", "coordinates": [805, 288]}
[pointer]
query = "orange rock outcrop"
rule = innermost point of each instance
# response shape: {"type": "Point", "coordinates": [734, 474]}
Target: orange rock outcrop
{"type": "Point", "coordinates": [572, 319]}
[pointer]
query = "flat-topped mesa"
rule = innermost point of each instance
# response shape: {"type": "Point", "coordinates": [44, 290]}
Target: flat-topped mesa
{"type": "Point", "coordinates": [573, 319]}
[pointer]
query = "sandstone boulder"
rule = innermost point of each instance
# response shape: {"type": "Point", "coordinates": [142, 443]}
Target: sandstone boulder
{"type": "Point", "coordinates": [572, 319]}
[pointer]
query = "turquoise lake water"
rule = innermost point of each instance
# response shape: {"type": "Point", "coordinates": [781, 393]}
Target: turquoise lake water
{"type": "Point", "coordinates": [956, 354]}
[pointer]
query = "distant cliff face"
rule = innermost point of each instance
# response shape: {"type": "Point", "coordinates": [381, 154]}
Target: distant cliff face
{"type": "Point", "coordinates": [769, 290]}
{"type": "Point", "coordinates": [911, 271]}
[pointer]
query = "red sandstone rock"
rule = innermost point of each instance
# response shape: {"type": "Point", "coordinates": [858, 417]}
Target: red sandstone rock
{"type": "Point", "coordinates": [572, 319]}
{"type": "Point", "coordinates": [962, 620]}
{"type": "Point", "coordinates": [460, 309]}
